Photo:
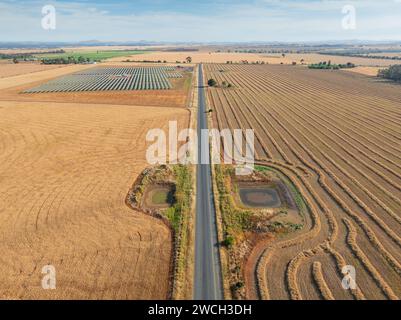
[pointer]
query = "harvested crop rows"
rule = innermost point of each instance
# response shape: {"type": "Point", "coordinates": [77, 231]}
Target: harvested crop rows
{"type": "Point", "coordinates": [112, 79]}
{"type": "Point", "coordinates": [337, 136]}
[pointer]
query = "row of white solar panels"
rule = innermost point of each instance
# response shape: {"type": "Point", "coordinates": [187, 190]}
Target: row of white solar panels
{"type": "Point", "coordinates": [110, 79]}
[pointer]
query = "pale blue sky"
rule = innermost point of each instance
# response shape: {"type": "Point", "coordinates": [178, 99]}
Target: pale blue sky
{"type": "Point", "coordinates": [200, 21]}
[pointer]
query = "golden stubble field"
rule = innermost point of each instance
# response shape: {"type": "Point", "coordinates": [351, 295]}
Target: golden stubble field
{"type": "Point", "coordinates": [11, 89]}
{"type": "Point", "coordinates": [337, 136]}
{"type": "Point", "coordinates": [65, 171]}
{"type": "Point", "coordinates": [205, 56]}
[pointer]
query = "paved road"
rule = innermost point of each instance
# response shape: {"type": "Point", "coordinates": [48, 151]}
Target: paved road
{"type": "Point", "coordinates": [208, 280]}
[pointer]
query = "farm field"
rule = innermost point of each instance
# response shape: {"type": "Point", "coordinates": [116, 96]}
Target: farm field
{"type": "Point", "coordinates": [66, 167]}
{"type": "Point", "coordinates": [387, 54]}
{"type": "Point", "coordinates": [316, 58]}
{"type": "Point", "coordinates": [336, 136]}
{"type": "Point", "coordinates": [205, 56]}
{"type": "Point", "coordinates": [39, 76]}
{"type": "Point", "coordinates": [11, 69]}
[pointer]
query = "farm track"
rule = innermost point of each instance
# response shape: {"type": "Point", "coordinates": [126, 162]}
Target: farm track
{"type": "Point", "coordinates": [337, 137]}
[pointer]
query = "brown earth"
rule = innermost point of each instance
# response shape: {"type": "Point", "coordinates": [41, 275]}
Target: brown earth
{"type": "Point", "coordinates": [337, 136]}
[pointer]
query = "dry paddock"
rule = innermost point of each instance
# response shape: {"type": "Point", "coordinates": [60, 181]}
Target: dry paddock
{"type": "Point", "coordinates": [205, 56]}
{"type": "Point", "coordinates": [337, 135]}
{"type": "Point", "coordinates": [65, 171]}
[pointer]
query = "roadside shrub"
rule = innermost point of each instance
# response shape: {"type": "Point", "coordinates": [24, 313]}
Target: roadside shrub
{"type": "Point", "coordinates": [228, 241]}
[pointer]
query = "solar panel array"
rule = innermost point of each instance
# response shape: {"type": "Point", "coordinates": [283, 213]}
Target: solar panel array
{"type": "Point", "coordinates": [110, 79]}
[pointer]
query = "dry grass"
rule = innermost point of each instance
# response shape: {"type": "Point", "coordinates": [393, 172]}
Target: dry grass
{"type": "Point", "coordinates": [336, 135]}
{"type": "Point", "coordinates": [10, 70]}
{"type": "Point", "coordinates": [367, 71]}
{"type": "Point", "coordinates": [40, 76]}
{"type": "Point", "coordinates": [315, 58]}
{"type": "Point", "coordinates": [205, 56]}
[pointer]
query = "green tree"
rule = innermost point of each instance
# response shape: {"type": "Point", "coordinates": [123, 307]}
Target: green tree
{"type": "Point", "coordinates": [212, 83]}
{"type": "Point", "coordinates": [392, 73]}
{"type": "Point", "coordinates": [228, 241]}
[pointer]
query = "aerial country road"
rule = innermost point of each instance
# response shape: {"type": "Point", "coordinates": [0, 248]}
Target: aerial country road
{"type": "Point", "coordinates": [208, 279]}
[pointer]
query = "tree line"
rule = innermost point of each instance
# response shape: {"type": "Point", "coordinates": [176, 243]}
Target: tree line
{"type": "Point", "coordinates": [392, 73]}
{"type": "Point", "coordinates": [330, 66]}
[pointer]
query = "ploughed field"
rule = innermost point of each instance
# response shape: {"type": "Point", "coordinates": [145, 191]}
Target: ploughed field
{"type": "Point", "coordinates": [337, 136]}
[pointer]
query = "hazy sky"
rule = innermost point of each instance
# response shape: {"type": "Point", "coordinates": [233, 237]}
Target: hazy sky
{"type": "Point", "coordinates": [201, 21]}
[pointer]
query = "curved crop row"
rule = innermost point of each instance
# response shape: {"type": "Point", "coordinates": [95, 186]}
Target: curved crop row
{"type": "Point", "coordinates": [320, 282]}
